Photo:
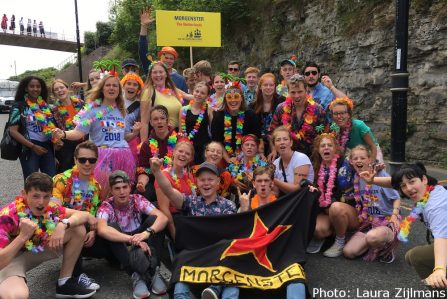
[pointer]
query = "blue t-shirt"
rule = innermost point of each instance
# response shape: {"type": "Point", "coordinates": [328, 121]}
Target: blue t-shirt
{"type": "Point", "coordinates": [435, 212]}
{"type": "Point", "coordinates": [35, 131]}
{"type": "Point", "coordinates": [108, 131]}
{"type": "Point", "coordinates": [322, 95]}
{"type": "Point", "coordinates": [381, 199]}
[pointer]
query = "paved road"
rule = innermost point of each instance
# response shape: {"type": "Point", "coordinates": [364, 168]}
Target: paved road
{"type": "Point", "coordinates": [338, 277]}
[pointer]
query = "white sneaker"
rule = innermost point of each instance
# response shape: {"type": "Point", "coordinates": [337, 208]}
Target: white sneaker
{"type": "Point", "coordinates": [140, 290]}
{"type": "Point", "coordinates": [88, 282]}
{"type": "Point", "coordinates": [314, 245]}
{"type": "Point", "coordinates": [334, 251]}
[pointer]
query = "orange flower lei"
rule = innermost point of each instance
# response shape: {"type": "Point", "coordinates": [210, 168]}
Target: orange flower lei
{"type": "Point", "coordinates": [309, 118]}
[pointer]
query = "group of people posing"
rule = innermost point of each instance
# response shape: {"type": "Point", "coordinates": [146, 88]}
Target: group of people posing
{"type": "Point", "coordinates": [119, 167]}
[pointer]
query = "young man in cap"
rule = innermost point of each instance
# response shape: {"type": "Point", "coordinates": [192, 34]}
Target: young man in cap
{"type": "Point", "coordinates": [287, 70]}
{"type": "Point", "coordinates": [167, 55]}
{"type": "Point", "coordinates": [129, 65]}
{"type": "Point", "coordinates": [34, 229]}
{"type": "Point", "coordinates": [130, 219]}
{"type": "Point", "coordinates": [207, 204]}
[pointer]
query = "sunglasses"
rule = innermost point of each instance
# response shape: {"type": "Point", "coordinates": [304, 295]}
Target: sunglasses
{"type": "Point", "coordinates": [314, 73]}
{"type": "Point", "coordinates": [232, 69]}
{"type": "Point", "coordinates": [84, 160]}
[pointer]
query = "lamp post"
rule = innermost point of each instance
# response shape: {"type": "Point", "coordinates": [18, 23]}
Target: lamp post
{"type": "Point", "coordinates": [399, 87]}
{"type": "Point", "coordinates": [78, 45]}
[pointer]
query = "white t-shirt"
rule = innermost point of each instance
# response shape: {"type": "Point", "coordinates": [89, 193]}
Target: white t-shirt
{"type": "Point", "coordinates": [298, 159]}
{"type": "Point", "coordinates": [435, 212]}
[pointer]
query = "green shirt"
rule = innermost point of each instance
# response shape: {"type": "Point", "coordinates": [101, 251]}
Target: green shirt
{"type": "Point", "coordinates": [358, 130]}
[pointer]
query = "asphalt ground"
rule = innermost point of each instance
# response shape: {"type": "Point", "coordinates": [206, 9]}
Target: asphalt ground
{"type": "Point", "coordinates": [327, 277]}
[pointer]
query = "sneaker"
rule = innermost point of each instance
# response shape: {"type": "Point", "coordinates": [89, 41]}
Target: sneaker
{"type": "Point", "coordinates": [315, 245]}
{"type": "Point", "coordinates": [73, 289]}
{"type": "Point", "coordinates": [158, 285]}
{"type": "Point", "coordinates": [88, 282]}
{"type": "Point", "coordinates": [334, 251]}
{"type": "Point", "coordinates": [387, 259]}
{"type": "Point", "coordinates": [140, 290]}
{"type": "Point", "coordinates": [209, 293]}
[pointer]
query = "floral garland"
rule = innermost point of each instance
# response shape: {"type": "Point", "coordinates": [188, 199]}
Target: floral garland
{"type": "Point", "coordinates": [90, 201]}
{"type": "Point", "coordinates": [414, 215]}
{"type": "Point", "coordinates": [309, 118]}
{"type": "Point", "coordinates": [343, 138]}
{"type": "Point", "coordinates": [78, 119]}
{"type": "Point", "coordinates": [176, 180]}
{"type": "Point", "coordinates": [282, 89]}
{"type": "Point", "coordinates": [77, 104]}
{"type": "Point", "coordinates": [169, 92]}
{"type": "Point", "coordinates": [326, 197]}
{"type": "Point", "coordinates": [255, 200]}
{"type": "Point", "coordinates": [46, 224]}
{"type": "Point", "coordinates": [199, 120]}
{"type": "Point", "coordinates": [361, 204]}
{"type": "Point", "coordinates": [228, 130]}
{"type": "Point", "coordinates": [240, 166]}
{"type": "Point", "coordinates": [43, 115]}
{"type": "Point", "coordinates": [167, 159]}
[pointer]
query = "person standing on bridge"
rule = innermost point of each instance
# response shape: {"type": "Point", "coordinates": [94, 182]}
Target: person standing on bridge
{"type": "Point", "coordinates": [12, 27]}
{"type": "Point", "coordinates": [4, 23]}
{"type": "Point", "coordinates": [28, 28]}
{"type": "Point", "coordinates": [22, 27]}
{"type": "Point", "coordinates": [41, 29]}
{"type": "Point", "coordinates": [34, 28]}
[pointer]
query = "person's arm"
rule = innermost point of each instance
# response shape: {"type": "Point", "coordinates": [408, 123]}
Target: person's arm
{"type": "Point", "coordinates": [326, 80]}
{"type": "Point", "coordinates": [145, 107]}
{"type": "Point", "coordinates": [145, 21]}
{"type": "Point", "coordinates": [109, 233]}
{"type": "Point", "coordinates": [134, 132]}
{"type": "Point", "coordinates": [299, 173]}
{"type": "Point", "coordinates": [180, 129]}
{"type": "Point", "coordinates": [58, 189]}
{"type": "Point", "coordinates": [370, 177]}
{"type": "Point", "coordinates": [372, 146]}
{"type": "Point", "coordinates": [163, 204]}
{"type": "Point", "coordinates": [174, 195]}
{"type": "Point", "coordinates": [438, 278]}
{"type": "Point", "coordinates": [7, 254]}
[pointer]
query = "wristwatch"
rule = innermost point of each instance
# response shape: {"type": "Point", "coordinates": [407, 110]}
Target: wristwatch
{"type": "Point", "coordinates": [151, 231]}
{"type": "Point", "coordinates": [66, 222]}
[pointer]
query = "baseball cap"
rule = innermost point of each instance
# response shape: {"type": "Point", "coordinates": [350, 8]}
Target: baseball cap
{"type": "Point", "coordinates": [129, 62]}
{"type": "Point", "coordinates": [288, 61]}
{"type": "Point", "coordinates": [207, 166]}
{"type": "Point", "coordinates": [118, 176]}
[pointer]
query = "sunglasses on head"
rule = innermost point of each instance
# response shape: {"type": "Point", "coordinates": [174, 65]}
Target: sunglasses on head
{"type": "Point", "coordinates": [84, 160]}
{"type": "Point", "coordinates": [311, 72]}
{"type": "Point", "coordinates": [233, 69]}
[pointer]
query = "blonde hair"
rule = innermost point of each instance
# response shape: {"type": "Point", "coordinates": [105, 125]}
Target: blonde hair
{"type": "Point", "coordinates": [359, 147]}
{"type": "Point", "coordinates": [280, 130]}
{"type": "Point", "coordinates": [188, 144]}
{"type": "Point", "coordinates": [97, 93]}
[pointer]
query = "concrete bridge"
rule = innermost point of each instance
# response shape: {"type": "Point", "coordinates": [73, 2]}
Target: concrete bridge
{"type": "Point", "coordinates": [52, 41]}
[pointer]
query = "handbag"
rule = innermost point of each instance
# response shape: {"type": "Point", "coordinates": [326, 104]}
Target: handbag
{"type": "Point", "coordinates": [9, 147]}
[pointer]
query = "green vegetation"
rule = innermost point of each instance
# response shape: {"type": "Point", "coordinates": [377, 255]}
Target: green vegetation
{"type": "Point", "coordinates": [46, 74]}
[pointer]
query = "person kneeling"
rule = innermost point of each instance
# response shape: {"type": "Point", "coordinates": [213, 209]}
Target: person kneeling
{"type": "Point", "coordinates": [34, 230]}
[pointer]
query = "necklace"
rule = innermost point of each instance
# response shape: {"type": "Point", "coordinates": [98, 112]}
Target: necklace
{"type": "Point", "coordinates": [309, 118]}
{"type": "Point", "coordinates": [153, 145]}
{"type": "Point", "coordinates": [176, 180]}
{"type": "Point", "coordinates": [240, 167]}
{"type": "Point", "coordinates": [62, 109]}
{"type": "Point", "coordinates": [326, 197]}
{"type": "Point", "coordinates": [343, 138]}
{"type": "Point", "coordinates": [46, 223]}
{"type": "Point", "coordinates": [414, 215]}
{"type": "Point", "coordinates": [90, 201]}
{"type": "Point", "coordinates": [43, 115]}
{"type": "Point", "coordinates": [169, 92]}
{"type": "Point", "coordinates": [228, 132]}
{"type": "Point", "coordinates": [80, 120]}
{"type": "Point", "coordinates": [199, 120]}
{"type": "Point", "coordinates": [361, 202]}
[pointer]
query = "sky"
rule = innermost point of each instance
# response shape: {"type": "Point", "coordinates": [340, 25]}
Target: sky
{"type": "Point", "coordinates": [57, 16]}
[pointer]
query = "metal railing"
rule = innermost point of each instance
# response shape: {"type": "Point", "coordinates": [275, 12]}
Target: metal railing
{"type": "Point", "coordinates": [72, 59]}
{"type": "Point", "coordinates": [48, 34]}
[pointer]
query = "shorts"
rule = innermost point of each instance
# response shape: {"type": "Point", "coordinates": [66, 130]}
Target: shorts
{"type": "Point", "coordinates": [25, 261]}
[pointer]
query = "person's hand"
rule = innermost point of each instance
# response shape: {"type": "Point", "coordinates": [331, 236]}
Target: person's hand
{"type": "Point", "coordinates": [437, 279]}
{"type": "Point", "coordinates": [232, 160]}
{"type": "Point", "coordinates": [155, 163]}
{"type": "Point", "coordinates": [272, 156]}
{"type": "Point", "coordinates": [312, 188]}
{"type": "Point", "coordinates": [244, 199]}
{"type": "Point", "coordinates": [89, 239]}
{"type": "Point", "coordinates": [39, 150]}
{"type": "Point", "coordinates": [57, 133]}
{"type": "Point", "coordinates": [145, 247]}
{"type": "Point", "coordinates": [137, 127]}
{"type": "Point", "coordinates": [141, 187]}
{"type": "Point", "coordinates": [57, 238]}
{"type": "Point", "coordinates": [137, 238]}
{"type": "Point", "coordinates": [368, 175]}
{"type": "Point", "coordinates": [395, 220]}
{"type": "Point", "coordinates": [249, 176]}
{"type": "Point", "coordinates": [327, 82]}
{"type": "Point", "coordinates": [92, 222]}
{"type": "Point", "coordinates": [263, 157]}
{"type": "Point", "coordinates": [145, 16]}
{"type": "Point", "coordinates": [77, 85]}
{"type": "Point", "coordinates": [27, 228]}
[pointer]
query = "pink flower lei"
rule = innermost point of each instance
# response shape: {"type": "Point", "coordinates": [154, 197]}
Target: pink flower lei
{"type": "Point", "coordinates": [326, 197]}
{"type": "Point", "coordinates": [343, 136]}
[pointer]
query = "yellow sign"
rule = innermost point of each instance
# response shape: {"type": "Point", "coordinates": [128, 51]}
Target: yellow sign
{"type": "Point", "coordinates": [227, 275]}
{"type": "Point", "coordinates": [188, 28]}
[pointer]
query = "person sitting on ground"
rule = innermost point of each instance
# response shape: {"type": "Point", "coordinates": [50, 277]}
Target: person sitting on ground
{"type": "Point", "coordinates": [77, 189]}
{"type": "Point", "coordinates": [126, 219]}
{"type": "Point", "coordinates": [291, 166]}
{"type": "Point", "coordinates": [378, 211]}
{"type": "Point", "coordinates": [33, 229]}
{"type": "Point", "coordinates": [208, 203]}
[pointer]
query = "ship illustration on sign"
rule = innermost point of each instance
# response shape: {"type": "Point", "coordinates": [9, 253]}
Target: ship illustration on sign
{"type": "Point", "coordinates": [194, 35]}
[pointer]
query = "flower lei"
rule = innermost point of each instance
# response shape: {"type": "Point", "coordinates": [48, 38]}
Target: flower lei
{"type": "Point", "coordinates": [169, 92]}
{"type": "Point", "coordinates": [46, 224]}
{"type": "Point", "coordinates": [343, 138]}
{"type": "Point", "coordinates": [239, 167]}
{"type": "Point", "coordinates": [282, 89]}
{"type": "Point", "coordinates": [176, 180]}
{"type": "Point", "coordinates": [77, 104]}
{"type": "Point", "coordinates": [43, 115]}
{"type": "Point", "coordinates": [228, 130]}
{"type": "Point", "coordinates": [309, 118]}
{"type": "Point", "coordinates": [167, 159]}
{"type": "Point", "coordinates": [78, 119]}
{"type": "Point", "coordinates": [199, 120]}
{"type": "Point", "coordinates": [77, 202]}
{"type": "Point", "coordinates": [326, 197]}
{"type": "Point", "coordinates": [414, 215]}
{"type": "Point", "coordinates": [361, 204]}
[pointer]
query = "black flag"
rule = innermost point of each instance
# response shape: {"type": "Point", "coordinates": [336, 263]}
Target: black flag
{"type": "Point", "coordinates": [261, 249]}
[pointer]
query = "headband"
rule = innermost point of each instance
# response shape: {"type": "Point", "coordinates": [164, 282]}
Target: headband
{"type": "Point", "coordinates": [132, 76]}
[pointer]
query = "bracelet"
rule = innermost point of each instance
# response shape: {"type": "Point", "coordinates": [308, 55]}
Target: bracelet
{"type": "Point", "coordinates": [439, 268]}
{"type": "Point", "coordinates": [65, 134]}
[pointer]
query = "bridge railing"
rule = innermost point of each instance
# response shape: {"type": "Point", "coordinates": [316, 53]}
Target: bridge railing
{"type": "Point", "coordinates": [48, 34]}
